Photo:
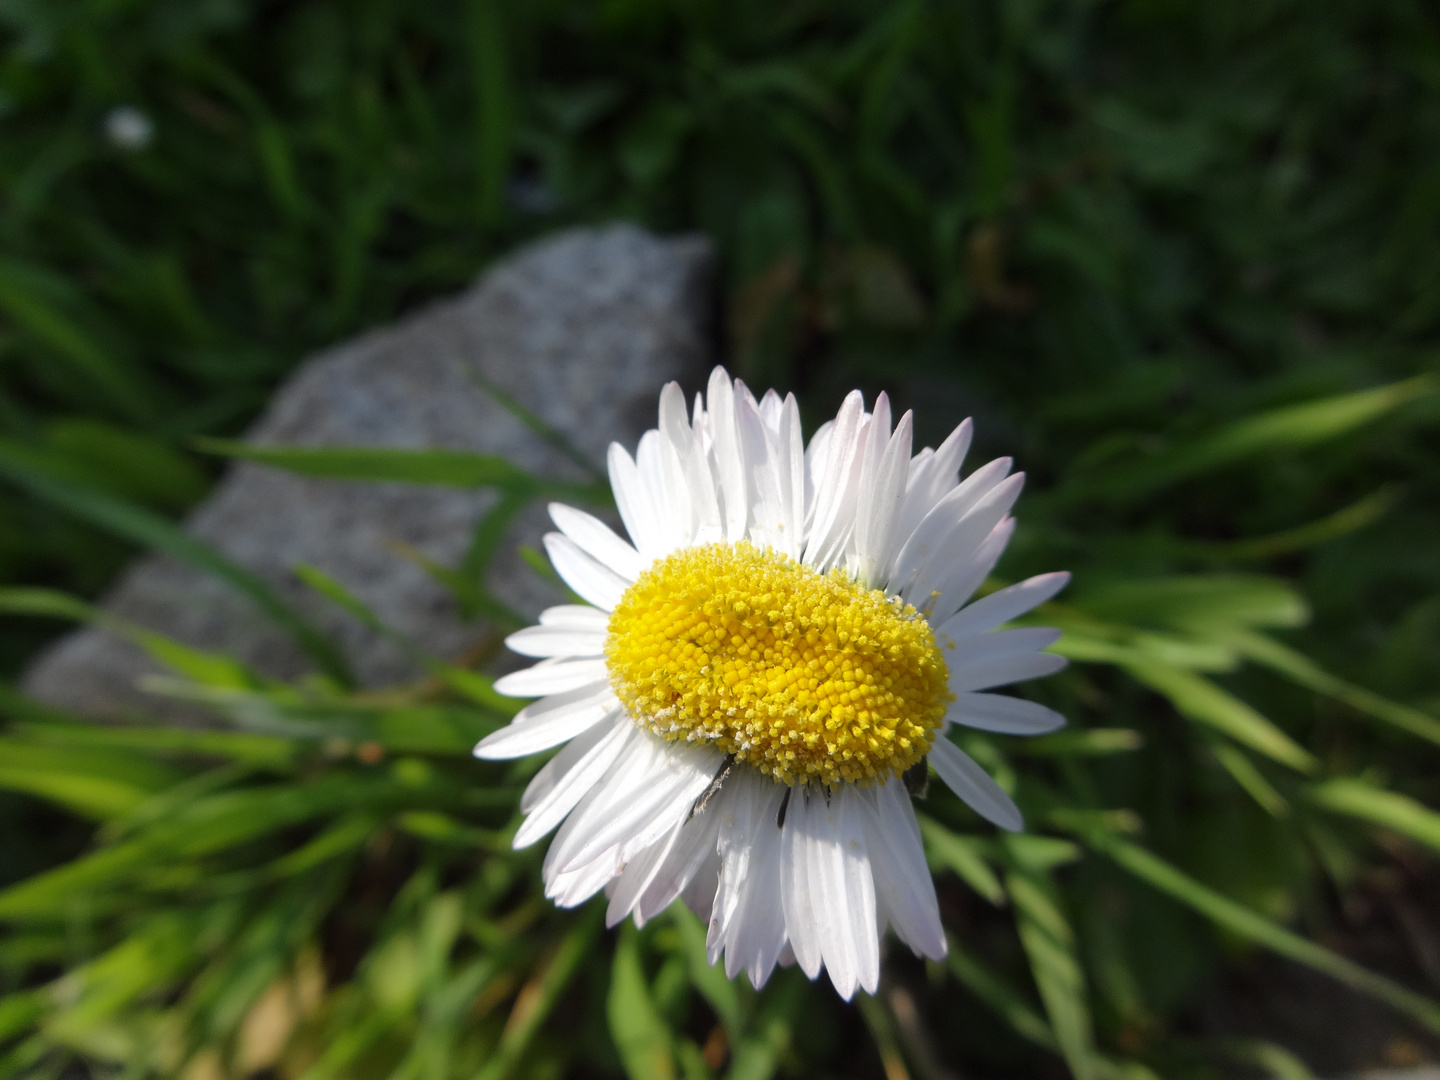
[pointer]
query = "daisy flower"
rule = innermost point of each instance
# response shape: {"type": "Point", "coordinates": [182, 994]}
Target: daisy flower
{"type": "Point", "coordinates": [784, 640]}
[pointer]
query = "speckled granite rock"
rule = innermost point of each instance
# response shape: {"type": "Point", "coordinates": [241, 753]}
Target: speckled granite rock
{"type": "Point", "coordinates": [582, 328]}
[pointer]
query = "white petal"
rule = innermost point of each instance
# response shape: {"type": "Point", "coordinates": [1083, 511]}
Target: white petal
{"type": "Point", "coordinates": [918, 548]}
{"type": "Point", "coordinates": [727, 454]}
{"type": "Point", "coordinates": [956, 547]}
{"type": "Point", "coordinates": [638, 875]}
{"type": "Point", "coordinates": [549, 641]}
{"type": "Point", "coordinates": [693, 849]}
{"type": "Point", "coordinates": [572, 888]}
{"type": "Point", "coordinates": [969, 651]}
{"type": "Point", "coordinates": [661, 795]}
{"type": "Point", "coordinates": [798, 887]}
{"type": "Point", "coordinates": [817, 452]}
{"type": "Point", "coordinates": [592, 581]}
{"type": "Point", "coordinates": [882, 489]}
{"type": "Point", "coordinates": [897, 859]}
{"type": "Point", "coordinates": [661, 475]}
{"type": "Point", "coordinates": [598, 540]}
{"type": "Point", "coordinates": [790, 467]}
{"type": "Point", "coordinates": [1003, 670]}
{"type": "Point", "coordinates": [553, 677]}
{"type": "Point", "coordinates": [854, 935]}
{"type": "Point", "coordinates": [699, 895]}
{"type": "Point", "coordinates": [933, 475]}
{"type": "Point", "coordinates": [574, 785]}
{"type": "Point", "coordinates": [570, 755]}
{"type": "Point", "coordinates": [967, 576]}
{"type": "Point", "coordinates": [974, 785]}
{"type": "Point", "coordinates": [1006, 715]}
{"type": "Point", "coordinates": [676, 432]}
{"type": "Point", "coordinates": [636, 504]}
{"type": "Point", "coordinates": [575, 617]}
{"type": "Point", "coordinates": [549, 722]}
{"type": "Point", "coordinates": [836, 487]}
{"type": "Point", "coordinates": [1004, 605]}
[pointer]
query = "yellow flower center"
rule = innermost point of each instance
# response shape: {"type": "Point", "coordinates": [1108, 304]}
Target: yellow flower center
{"type": "Point", "coordinates": [805, 676]}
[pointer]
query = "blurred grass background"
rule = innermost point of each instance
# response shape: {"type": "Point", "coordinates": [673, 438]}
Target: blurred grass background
{"type": "Point", "coordinates": [1166, 253]}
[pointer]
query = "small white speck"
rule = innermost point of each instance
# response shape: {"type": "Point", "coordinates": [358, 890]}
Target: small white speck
{"type": "Point", "coordinates": [127, 128]}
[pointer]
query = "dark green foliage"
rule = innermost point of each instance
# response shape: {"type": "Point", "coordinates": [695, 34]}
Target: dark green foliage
{"type": "Point", "coordinates": [1178, 259]}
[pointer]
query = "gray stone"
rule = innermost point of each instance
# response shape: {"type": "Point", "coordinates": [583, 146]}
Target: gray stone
{"type": "Point", "coordinates": [582, 329]}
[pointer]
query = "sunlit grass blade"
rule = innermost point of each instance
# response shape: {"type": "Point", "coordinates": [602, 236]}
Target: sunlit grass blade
{"type": "Point", "coordinates": [1049, 944]}
{"type": "Point", "coordinates": [447, 468]}
{"type": "Point", "coordinates": [1254, 927]}
{"type": "Point", "coordinates": [945, 850]}
{"type": "Point", "coordinates": [1293, 427]}
{"type": "Point", "coordinates": [641, 1035]}
{"type": "Point", "coordinates": [130, 522]}
{"type": "Point", "coordinates": [1388, 809]}
{"type": "Point", "coordinates": [1200, 700]}
{"type": "Point", "coordinates": [1304, 671]}
{"type": "Point", "coordinates": [538, 997]}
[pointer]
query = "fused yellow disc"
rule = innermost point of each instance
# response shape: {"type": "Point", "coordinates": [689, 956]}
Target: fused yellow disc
{"type": "Point", "coordinates": [805, 676]}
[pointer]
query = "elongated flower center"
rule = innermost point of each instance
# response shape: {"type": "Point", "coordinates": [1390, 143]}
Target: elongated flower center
{"type": "Point", "coordinates": [805, 676]}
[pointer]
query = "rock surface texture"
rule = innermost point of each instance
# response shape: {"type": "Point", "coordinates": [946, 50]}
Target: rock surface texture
{"type": "Point", "coordinates": [582, 329]}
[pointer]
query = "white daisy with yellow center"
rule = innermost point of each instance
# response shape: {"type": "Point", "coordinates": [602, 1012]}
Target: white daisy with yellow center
{"type": "Point", "coordinates": [787, 634]}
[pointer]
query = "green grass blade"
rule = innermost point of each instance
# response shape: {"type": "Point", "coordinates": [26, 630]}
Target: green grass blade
{"type": "Point", "coordinates": [644, 1040]}
{"type": "Point", "coordinates": [945, 850]}
{"type": "Point", "coordinates": [1293, 427]}
{"type": "Point", "coordinates": [1198, 699]}
{"type": "Point", "coordinates": [1255, 927]}
{"type": "Point", "coordinates": [1304, 671]}
{"type": "Point", "coordinates": [130, 522]}
{"type": "Point", "coordinates": [1389, 809]}
{"type": "Point", "coordinates": [379, 464]}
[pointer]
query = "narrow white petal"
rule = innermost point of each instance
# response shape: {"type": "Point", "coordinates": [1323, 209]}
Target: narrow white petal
{"type": "Point", "coordinates": [633, 500]}
{"type": "Point", "coordinates": [675, 430]}
{"type": "Point", "coordinates": [574, 785]}
{"type": "Point", "coordinates": [553, 677]}
{"type": "Point", "coordinates": [1003, 670]}
{"type": "Point", "coordinates": [549, 641]}
{"type": "Point", "coordinates": [549, 722]}
{"type": "Point", "coordinates": [699, 895]}
{"type": "Point", "coordinates": [638, 875]}
{"type": "Point", "coordinates": [856, 936]}
{"type": "Point", "coordinates": [572, 888]}
{"type": "Point", "coordinates": [790, 465]}
{"type": "Point", "coordinates": [837, 487]}
{"type": "Point", "coordinates": [592, 581]}
{"type": "Point", "coordinates": [570, 755]}
{"type": "Point", "coordinates": [957, 546]}
{"type": "Point", "coordinates": [798, 889]}
{"type": "Point", "coordinates": [882, 489]}
{"type": "Point", "coordinates": [694, 847]}
{"type": "Point", "coordinates": [933, 475]}
{"type": "Point", "coordinates": [1006, 715]}
{"type": "Point", "coordinates": [967, 576]}
{"type": "Point", "coordinates": [677, 775]}
{"type": "Point", "coordinates": [575, 617]}
{"type": "Point", "coordinates": [598, 540]}
{"type": "Point", "coordinates": [974, 785]}
{"type": "Point", "coordinates": [730, 465]}
{"type": "Point", "coordinates": [817, 453]}
{"type": "Point", "coordinates": [918, 548]}
{"type": "Point", "coordinates": [661, 474]}
{"type": "Point", "coordinates": [770, 409]}
{"type": "Point", "coordinates": [1005, 604]}
{"type": "Point", "coordinates": [902, 879]}
{"type": "Point", "coordinates": [992, 644]}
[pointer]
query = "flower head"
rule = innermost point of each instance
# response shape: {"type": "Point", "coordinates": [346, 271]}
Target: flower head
{"type": "Point", "coordinates": [788, 632]}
